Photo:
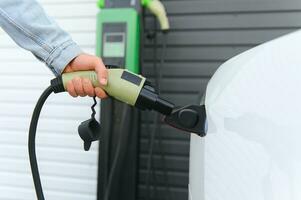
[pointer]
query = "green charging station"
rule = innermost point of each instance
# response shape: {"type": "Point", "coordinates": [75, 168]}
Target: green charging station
{"type": "Point", "coordinates": [118, 39]}
{"type": "Point", "coordinates": [118, 44]}
{"type": "Point", "coordinates": [118, 34]}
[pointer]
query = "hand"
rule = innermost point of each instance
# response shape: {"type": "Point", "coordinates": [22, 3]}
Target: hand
{"type": "Point", "coordinates": [82, 86]}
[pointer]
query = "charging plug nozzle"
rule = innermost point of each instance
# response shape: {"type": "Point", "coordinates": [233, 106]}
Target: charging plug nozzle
{"type": "Point", "coordinates": [149, 99]}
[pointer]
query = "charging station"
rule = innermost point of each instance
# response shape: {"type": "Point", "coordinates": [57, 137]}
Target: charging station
{"type": "Point", "coordinates": [118, 44]}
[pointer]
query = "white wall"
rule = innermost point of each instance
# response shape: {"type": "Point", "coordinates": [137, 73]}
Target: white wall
{"type": "Point", "coordinates": [67, 171]}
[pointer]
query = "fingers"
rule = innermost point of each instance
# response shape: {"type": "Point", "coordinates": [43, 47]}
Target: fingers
{"type": "Point", "coordinates": [71, 90]}
{"type": "Point", "coordinates": [83, 87]}
{"type": "Point", "coordinates": [88, 87]}
{"type": "Point", "coordinates": [100, 93]}
{"type": "Point", "coordinates": [78, 86]}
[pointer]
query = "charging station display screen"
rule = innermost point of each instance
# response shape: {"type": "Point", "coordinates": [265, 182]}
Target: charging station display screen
{"type": "Point", "coordinates": [114, 45]}
{"type": "Point", "coordinates": [118, 3]}
{"type": "Point", "coordinates": [122, 1]}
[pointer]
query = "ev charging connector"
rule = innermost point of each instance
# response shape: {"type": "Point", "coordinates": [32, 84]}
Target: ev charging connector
{"type": "Point", "coordinates": [124, 86]}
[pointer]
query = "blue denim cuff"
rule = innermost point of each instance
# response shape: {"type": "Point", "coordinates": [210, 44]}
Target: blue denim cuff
{"type": "Point", "coordinates": [61, 56]}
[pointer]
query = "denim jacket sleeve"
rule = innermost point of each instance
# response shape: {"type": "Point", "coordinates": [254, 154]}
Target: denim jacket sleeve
{"type": "Point", "coordinates": [29, 26]}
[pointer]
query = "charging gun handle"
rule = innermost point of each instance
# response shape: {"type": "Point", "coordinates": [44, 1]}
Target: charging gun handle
{"type": "Point", "coordinates": [123, 85]}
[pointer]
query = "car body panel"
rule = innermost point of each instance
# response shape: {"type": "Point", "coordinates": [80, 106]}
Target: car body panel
{"type": "Point", "coordinates": [252, 150]}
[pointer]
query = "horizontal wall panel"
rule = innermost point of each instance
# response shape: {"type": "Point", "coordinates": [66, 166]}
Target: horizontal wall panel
{"type": "Point", "coordinates": [172, 163]}
{"type": "Point", "coordinates": [75, 24]}
{"type": "Point", "coordinates": [13, 54]}
{"type": "Point", "coordinates": [14, 192]}
{"type": "Point", "coordinates": [226, 6]}
{"type": "Point", "coordinates": [65, 140]}
{"type": "Point", "coordinates": [67, 171]}
{"type": "Point", "coordinates": [235, 21]}
{"type": "Point", "coordinates": [72, 10]}
{"type": "Point", "coordinates": [168, 147]}
{"type": "Point", "coordinates": [72, 185]}
{"type": "Point", "coordinates": [78, 25]}
{"type": "Point", "coordinates": [175, 192]}
{"type": "Point", "coordinates": [84, 39]}
{"type": "Point", "coordinates": [168, 133]}
{"type": "Point", "coordinates": [182, 69]}
{"type": "Point", "coordinates": [67, 155]}
{"type": "Point", "coordinates": [49, 168]}
{"type": "Point", "coordinates": [25, 68]}
{"type": "Point", "coordinates": [176, 179]}
{"type": "Point", "coordinates": [14, 123]}
{"type": "Point", "coordinates": [192, 53]}
{"type": "Point", "coordinates": [188, 84]}
{"type": "Point", "coordinates": [50, 111]}
{"type": "Point", "coordinates": [219, 37]}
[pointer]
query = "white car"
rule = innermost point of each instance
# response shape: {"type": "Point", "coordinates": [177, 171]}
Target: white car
{"type": "Point", "coordinates": [252, 150]}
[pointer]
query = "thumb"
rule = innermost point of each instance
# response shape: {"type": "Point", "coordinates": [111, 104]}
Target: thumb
{"type": "Point", "coordinates": [102, 73]}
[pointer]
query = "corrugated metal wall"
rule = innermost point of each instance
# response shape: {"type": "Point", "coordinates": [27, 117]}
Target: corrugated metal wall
{"type": "Point", "coordinates": [204, 35]}
{"type": "Point", "coordinates": [67, 172]}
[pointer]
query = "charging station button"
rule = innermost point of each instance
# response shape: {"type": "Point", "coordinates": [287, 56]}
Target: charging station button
{"type": "Point", "coordinates": [131, 78]}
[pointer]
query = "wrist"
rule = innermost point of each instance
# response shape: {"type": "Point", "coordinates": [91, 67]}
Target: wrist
{"type": "Point", "coordinates": [62, 56]}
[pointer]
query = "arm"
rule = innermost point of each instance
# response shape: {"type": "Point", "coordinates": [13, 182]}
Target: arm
{"type": "Point", "coordinates": [26, 22]}
{"type": "Point", "coordinates": [29, 26]}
